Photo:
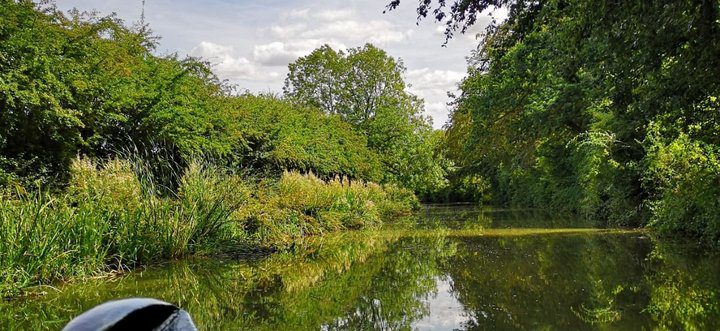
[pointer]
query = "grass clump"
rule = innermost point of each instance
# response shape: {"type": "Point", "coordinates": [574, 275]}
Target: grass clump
{"type": "Point", "coordinates": [113, 216]}
{"type": "Point", "coordinates": [110, 218]}
{"type": "Point", "coordinates": [300, 205]}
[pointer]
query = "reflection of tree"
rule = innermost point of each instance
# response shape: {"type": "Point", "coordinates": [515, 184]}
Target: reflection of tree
{"type": "Point", "coordinates": [684, 286]}
{"type": "Point", "coordinates": [397, 294]}
{"type": "Point", "coordinates": [355, 280]}
{"type": "Point", "coordinates": [602, 308]}
{"type": "Point", "coordinates": [363, 280]}
{"type": "Point", "coordinates": [538, 281]}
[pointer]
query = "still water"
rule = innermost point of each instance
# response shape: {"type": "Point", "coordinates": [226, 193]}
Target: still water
{"type": "Point", "coordinates": [453, 267]}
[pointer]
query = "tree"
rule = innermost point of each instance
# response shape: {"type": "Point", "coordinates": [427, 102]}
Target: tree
{"type": "Point", "coordinates": [82, 84]}
{"type": "Point", "coordinates": [281, 136]}
{"type": "Point", "coordinates": [353, 84]}
{"type": "Point", "coordinates": [365, 87]}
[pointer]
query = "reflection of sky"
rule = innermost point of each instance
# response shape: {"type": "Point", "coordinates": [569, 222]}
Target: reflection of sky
{"type": "Point", "coordinates": [446, 312]}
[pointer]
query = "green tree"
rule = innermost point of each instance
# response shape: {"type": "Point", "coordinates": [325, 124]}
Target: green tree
{"type": "Point", "coordinates": [281, 136]}
{"type": "Point", "coordinates": [365, 87]}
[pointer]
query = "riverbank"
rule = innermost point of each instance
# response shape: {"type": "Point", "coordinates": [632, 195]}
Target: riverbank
{"type": "Point", "coordinates": [114, 216]}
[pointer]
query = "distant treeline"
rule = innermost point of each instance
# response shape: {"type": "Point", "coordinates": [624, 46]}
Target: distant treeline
{"type": "Point", "coordinates": [608, 109]}
{"type": "Point", "coordinates": [79, 84]}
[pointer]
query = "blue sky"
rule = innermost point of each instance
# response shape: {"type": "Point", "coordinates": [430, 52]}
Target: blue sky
{"type": "Point", "coordinates": [250, 43]}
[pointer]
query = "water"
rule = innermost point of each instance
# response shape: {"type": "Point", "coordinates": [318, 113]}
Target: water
{"type": "Point", "coordinates": [457, 268]}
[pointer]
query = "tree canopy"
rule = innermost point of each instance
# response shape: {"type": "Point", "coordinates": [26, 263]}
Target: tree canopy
{"type": "Point", "coordinates": [87, 84]}
{"type": "Point", "coordinates": [81, 84]}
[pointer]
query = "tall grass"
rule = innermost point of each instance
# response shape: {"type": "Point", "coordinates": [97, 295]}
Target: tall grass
{"type": "Point", "coordinates": [113, 215]}
{"type": "Point", "coordinates": [109, 218]}
{"type": "Point", "coordinates": [301, 205]}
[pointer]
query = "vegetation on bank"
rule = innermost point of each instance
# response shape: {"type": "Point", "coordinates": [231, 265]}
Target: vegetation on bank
{"type": "Point", "coordinates": [113, 215]}
{"type": "Point", "coordinates": [564, 108]}
{"type": "Point", "coordinates": [605, 109]}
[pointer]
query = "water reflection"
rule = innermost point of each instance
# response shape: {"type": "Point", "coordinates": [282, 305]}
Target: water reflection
{"type": "Point", "coordinates": [445, 311]}
{"type": "Point", "coordinates": [449, 271]}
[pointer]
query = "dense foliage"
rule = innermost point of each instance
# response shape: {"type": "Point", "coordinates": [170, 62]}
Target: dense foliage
{"type": "Point", "coordinates": [279, 135]}
{"type": "Point", "coordinates": [79, 93]}
{"type": "Point", "coordinates": [607, 109]}
{"type": "Point", "coordinates": [83, 84]}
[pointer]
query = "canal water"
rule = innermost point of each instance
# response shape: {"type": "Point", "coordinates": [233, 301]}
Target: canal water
{"type": "Point", "coordinates": [451, 267]}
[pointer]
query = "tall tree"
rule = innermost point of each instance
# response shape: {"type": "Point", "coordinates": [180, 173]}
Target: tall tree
{"type": "Point", "coordinates": [365, 87]}
{"type": "Point", "coordinates": [352, 84]}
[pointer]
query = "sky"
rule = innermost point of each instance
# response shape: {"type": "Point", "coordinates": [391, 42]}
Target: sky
{"type": "Point", "coordinates": [250, 43]}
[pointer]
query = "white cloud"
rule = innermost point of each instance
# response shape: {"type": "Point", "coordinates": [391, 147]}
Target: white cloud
{"type": "Point", "coordinates": [433, 86]}
{"type": "Point", "coordinates": [439, 111]}
{"type": "Point", "coordinates": [440, 30]}
{"type": "Point", "coordinates": [229, 65]}
{"type": "Point", "coordinates": [282, 53]}
{"type": "Point", "coordinates": [426, 79]}
{"type": "Point", "coordinates": [210, 50]}
{"type": "Point", "coordinates": [287, 31]}
{"type": "Point", "coordinates": [376, 31]}
{"type": "Point", "coordinates": [336, 24]}
{"type": "Point", "coordinates": [295, 13]}
{"type": "Point", "coordinates": [334, 15]}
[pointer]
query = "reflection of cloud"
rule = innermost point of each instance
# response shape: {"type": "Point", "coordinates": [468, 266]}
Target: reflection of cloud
{"type": "Point", "coordinates": [446, 312]}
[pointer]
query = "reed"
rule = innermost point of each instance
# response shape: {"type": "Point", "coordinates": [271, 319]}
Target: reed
{"type": "Point", "coordinates": [300, 205]}
{"type": "Point", "coordinates": [113, 215]}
